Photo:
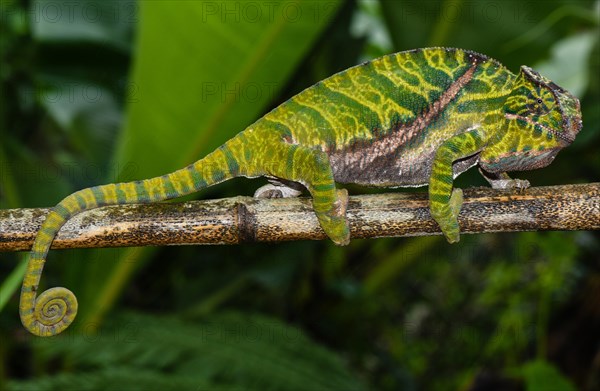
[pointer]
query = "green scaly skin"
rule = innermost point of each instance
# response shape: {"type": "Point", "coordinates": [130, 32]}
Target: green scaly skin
{"type": "Point", "coordinates": [413, 118]}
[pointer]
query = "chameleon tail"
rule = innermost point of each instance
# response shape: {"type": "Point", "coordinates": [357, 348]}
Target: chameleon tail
{"type": "Point", "coordinates": [55, 309]}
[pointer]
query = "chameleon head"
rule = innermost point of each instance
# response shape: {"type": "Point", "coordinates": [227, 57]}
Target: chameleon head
{"type": "Point", "coordinates": [541, 118]}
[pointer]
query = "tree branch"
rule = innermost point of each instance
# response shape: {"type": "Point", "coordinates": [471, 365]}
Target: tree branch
{"type": "Point", "coordinates": [246, 219]}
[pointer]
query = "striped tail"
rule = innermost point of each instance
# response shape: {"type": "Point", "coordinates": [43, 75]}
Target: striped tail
{"type": "Point", "coordinates": [55, 309]}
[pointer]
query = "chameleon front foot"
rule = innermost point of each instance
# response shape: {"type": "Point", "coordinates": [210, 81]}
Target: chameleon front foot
{"type": "Point", "coordinates": [502, 181]}
{"type": "Point", "coordinates": [519, 185]}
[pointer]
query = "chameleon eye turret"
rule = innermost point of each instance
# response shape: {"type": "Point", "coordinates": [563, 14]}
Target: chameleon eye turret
{"type": "Point", "coordinates": [414, 118]}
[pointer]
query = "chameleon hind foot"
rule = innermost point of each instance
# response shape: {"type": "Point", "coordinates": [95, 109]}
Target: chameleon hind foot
{"type": "Point", "coordinates": [276, 189]}
{"type": "Point", "coordinates": [452, 231]}
{"type": "Point", "coordinates": [334, 222]}
{"type": "Point", "coordinates": [447, 216]}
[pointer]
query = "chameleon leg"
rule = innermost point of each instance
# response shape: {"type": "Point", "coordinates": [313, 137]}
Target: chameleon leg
{"type": "Point", "coordinates": [278, 189]}
{"type": "Point", "coordinates": [311, 168]}
{"type": "Point", "coordinates": [502, 181]}
{"type": "Point", "coordinates": [445, 202]}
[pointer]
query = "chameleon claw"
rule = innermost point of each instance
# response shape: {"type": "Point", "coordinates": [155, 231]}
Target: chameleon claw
{"type": "Point", "coordinates": [453, 237]}
{"type": "Point", "coordinates": [335, 222]}
{"type": "Point", "coordinates": [456, 201]}
{"type": "Point", "coordinates": [451, 231]}
{"type": "Point", "coordinates": [342, 236]}
{"type": "Point", "coordinates": [447, 216]}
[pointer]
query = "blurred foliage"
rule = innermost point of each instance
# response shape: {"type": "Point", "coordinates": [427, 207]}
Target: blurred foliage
{"type": "Point", "coordinates": [98, 91]}
{"type": "Point", "coordinates": [230, 351]}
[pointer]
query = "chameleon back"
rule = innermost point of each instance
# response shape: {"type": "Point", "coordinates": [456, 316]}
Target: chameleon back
{"type": "Point", "coordinates": [382, 121]}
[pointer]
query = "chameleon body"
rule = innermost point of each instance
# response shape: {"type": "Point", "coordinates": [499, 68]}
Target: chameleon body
{"type": "Point", "coordinates": [413, 118]}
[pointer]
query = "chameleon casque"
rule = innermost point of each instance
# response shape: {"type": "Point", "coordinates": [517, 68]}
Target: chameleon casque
{"type": "Point", "coordinates": [413, 118]}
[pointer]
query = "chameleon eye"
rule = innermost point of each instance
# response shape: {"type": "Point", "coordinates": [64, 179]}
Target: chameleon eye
{"type": "Point", "coordinates": [539, 101]}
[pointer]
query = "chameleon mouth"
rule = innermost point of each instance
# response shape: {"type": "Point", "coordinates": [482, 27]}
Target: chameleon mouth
{"type": "Point", "coordinates": [559, 135]}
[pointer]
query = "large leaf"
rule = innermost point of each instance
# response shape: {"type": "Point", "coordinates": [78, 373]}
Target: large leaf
{"type": "Point", "coordinates": [203, 71]}
{"type": "Point", "coordinates": [206, 70]}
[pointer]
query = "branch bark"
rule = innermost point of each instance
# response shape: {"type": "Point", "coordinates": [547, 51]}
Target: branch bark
{"type": "Point", "coordinates": [246, 219]}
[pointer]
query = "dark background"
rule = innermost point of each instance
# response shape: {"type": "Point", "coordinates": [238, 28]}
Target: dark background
{"type": "Point", "coordinates": [96, 92]}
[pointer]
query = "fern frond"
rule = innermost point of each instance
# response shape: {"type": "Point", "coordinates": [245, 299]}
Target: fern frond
{"type": "Point", "coordinates": [225, 351]}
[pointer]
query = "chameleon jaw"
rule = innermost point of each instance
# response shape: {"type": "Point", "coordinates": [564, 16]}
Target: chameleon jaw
{"type": "Point", "coordinates": [559, 135]}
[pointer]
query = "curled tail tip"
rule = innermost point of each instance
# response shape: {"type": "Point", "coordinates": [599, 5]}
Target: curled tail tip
{"type": "Point", "coordinates": [53, 312]}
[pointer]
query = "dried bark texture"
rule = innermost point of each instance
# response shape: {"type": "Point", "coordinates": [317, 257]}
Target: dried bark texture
{"type": "Point", "coordinates": [245, 219]}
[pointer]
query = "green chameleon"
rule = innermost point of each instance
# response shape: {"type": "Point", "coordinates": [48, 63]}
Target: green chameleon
{"type": "Point", "coordinates": [414, 118]}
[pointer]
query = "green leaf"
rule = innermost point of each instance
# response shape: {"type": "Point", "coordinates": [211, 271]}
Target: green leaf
{"type": "Point", "coordinates": [512, 31]}
{"type": "Point", "coordinates": [203, 71]}
{"type": "Point", "coordinates": [542, 376]}
{"type": "Point", "coordinates": [568, 66]}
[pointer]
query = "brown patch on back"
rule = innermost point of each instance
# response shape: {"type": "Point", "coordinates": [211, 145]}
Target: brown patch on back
{"type": "Point", "coordinates": [373, 161]}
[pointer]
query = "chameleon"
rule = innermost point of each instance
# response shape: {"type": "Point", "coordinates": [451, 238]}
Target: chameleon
{"type": "Point", "coordinates": [412, 118]}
